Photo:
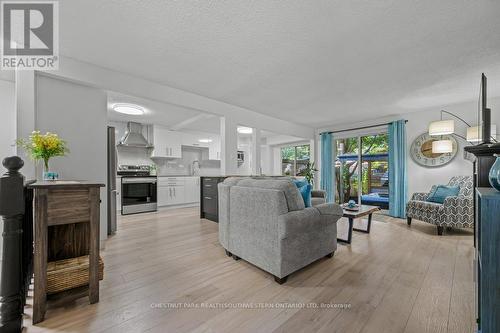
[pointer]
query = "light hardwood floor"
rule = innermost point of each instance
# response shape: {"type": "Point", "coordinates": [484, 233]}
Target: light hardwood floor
{"type": "Point", "coordinates": [396, 279]}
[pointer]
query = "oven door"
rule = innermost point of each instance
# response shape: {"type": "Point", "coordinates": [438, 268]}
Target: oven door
{"type": "Point", "coordinates": [138, 195]}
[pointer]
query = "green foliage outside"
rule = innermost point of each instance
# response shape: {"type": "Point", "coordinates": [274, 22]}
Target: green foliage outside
{"type": "Point", "coordinates": [294, 159]}
{"type": "Point", "coordinates": [348, 170]}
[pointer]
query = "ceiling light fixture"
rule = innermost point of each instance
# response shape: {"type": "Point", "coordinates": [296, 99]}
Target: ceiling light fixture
{"type": "Point", "coordinates": [130, 109]}
{"type": "Point", "coordinates": [245, 130]}
{"type": "Point", "coordinates": [205, 140]}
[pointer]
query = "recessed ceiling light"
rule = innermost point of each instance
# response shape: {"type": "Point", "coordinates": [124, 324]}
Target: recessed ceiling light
{"type": "Point", "coordinates": [245, 130]}
{"type": "Point", "coordinates": [205, 140]}
{"type": "Point", "coordinates": [130, 109]}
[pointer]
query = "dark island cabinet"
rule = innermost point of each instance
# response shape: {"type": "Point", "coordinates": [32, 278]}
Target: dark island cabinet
{"type": "Point", "coordinates": [487, 260]}
{"type": "Point", "coordinates": [209, 198]}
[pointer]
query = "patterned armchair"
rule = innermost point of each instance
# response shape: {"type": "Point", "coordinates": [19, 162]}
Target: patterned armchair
{"type": "Point", "coordinates": [457, 212]}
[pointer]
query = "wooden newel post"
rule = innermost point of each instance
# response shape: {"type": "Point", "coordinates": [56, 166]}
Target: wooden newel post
{"type": "Point", "coordinates": [12, 209]}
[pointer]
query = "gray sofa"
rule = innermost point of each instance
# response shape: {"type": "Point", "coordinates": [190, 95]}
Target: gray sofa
{"type": "Point", "coordinates": [264, 222]}
{"type": "Point", "coordinates": [318, 197]}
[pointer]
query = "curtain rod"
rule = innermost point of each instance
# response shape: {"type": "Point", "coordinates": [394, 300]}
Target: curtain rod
{"type": "Point", "coordinates": [356, 128]}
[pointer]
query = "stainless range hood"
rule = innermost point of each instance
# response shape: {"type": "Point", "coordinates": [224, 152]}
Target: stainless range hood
{"type": "Point", "coordinates": [133, 137]}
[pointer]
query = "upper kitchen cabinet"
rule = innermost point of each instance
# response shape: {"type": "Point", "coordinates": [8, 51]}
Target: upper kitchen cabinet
{"type": "Point", "coordinates": [192, 140]}
{"type": "Point", "coordinates": [167, 143]}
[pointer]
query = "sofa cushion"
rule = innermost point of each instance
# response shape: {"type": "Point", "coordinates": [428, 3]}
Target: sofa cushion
{"type": "Point", "coordinates": [292, 195]}
{"type": "Point", "coordinates": [305, 190]}
{"type": "Point", "coordinates": [300, 182]}
{"type": "Point", "coordinates": [442, 192]}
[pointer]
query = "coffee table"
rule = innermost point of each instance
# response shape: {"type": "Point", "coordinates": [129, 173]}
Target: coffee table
{"type": "Point", "coordinates": [364, 210]}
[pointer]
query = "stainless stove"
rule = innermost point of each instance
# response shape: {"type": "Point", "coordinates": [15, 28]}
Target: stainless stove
{"type": "Point", "coordinates": [138, 189]}
{"type": "Point", "coordinates": [133, 170]}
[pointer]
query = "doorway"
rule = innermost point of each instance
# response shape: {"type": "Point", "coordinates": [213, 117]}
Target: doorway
{"type": "Point", "coordinates": [362, 170]}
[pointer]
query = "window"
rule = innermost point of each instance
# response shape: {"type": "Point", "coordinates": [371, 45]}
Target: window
{"type": "Point", "coordinates": [294, 159]}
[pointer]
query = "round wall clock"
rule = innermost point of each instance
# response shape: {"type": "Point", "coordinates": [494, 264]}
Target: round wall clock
{"type": "Point", "coordinates": [421, 151]}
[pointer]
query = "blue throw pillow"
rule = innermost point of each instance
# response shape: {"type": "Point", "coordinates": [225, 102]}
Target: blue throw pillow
{"type": "Point", "coordinates": [305, 191]}
{"type": "Point", "coordinates": [300, 182]}
{"type": "Point", "coordinates": [442, 192]}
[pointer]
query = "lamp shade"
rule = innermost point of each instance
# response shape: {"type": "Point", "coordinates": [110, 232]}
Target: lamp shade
{"type": "Point", "coordinates": [442, 146]}
{"type": "Point", "coordinates": [474, 133]}
{"type": "Point", "coordinates": [442, 127]}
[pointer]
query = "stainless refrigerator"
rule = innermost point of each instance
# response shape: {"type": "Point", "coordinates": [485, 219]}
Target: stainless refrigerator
{"type": "Point", "coordinates": [112, 191]}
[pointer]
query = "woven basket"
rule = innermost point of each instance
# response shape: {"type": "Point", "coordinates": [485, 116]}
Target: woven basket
{"type": "Point", "coordinates": [69, 273]}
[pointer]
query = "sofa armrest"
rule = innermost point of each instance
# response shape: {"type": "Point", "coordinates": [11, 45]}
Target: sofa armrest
{"type": "Point", "coordinates": [330, 209]}
{"type": "Point", "coordinates": [318, 194]}
{"type": "Point", "coordinates": [456, 202]}
{"type": "Point", "coordinates": [298, 222]}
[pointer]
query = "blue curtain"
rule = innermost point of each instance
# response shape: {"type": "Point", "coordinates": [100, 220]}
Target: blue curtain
{"type": "Point", "coordinates": [327, 176]}
{"type": "Point", "coordinates": [398, 187]}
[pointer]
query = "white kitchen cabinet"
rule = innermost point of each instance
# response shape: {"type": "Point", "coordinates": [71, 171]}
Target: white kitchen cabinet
{"type": "Point", "coordinates": [178, 195]}
{"type": "Point", "coordinates": [163, 195]}
{"type": "Point", "coordinates": [178, 190]}
{"type": "Point", "coordinates": [167, 143]}
{"type": "Point", "coordinates": [171, 191]}
{"type": "Point", "coordinates": [192, 189]}
{"type": "Point", "coordinates": [190, 140]}
{"type": "Point", "coordinates": [171, 195]}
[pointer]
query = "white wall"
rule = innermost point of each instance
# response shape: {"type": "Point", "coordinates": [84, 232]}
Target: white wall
{"type": "Point", "coordinates": [420, 179]}
{"type": "Point", "coordinates": [8, 123]}
{"type": "Point", "coordinates": [77, 113]}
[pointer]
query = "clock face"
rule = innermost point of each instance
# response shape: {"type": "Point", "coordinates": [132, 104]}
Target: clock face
{"type": "Point", "coordinates": [421, 151]}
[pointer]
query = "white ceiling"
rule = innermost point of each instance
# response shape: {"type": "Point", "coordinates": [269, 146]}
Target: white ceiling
{"type": "Point", "coordinates": [168, 115]}
{"type": "Point", "coordinates": [179, 118]}
{"type": "Point", "coordinates": [310, 62]}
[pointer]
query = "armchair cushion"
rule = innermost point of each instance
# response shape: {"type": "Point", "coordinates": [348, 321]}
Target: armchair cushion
{"type": "Point", "coordinates": [425, 211]}
{"type": "Point", "coordinates": [442, 192]}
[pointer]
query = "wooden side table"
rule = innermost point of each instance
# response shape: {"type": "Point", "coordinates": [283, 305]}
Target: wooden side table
{"type": "Point", "coordinates": [66, 226]}
{"type": "Point", "coordinates": [364, 210]}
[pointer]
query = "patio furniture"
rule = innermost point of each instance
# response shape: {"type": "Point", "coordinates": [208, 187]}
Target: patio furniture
{"type": "Point", "coordinates": [456, 211]}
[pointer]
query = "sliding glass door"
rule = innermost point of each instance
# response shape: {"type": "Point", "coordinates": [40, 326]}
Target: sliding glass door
{"type": "Point", "coordinates": [362, 170]}
{"type": "Point", "coordinates": [347, 170]}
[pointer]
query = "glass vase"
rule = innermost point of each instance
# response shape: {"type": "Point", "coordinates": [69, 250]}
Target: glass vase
{"type": "Point", "coordinates": [47, 174]}
{"type": "Point", "coordinates": [494, 175]}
